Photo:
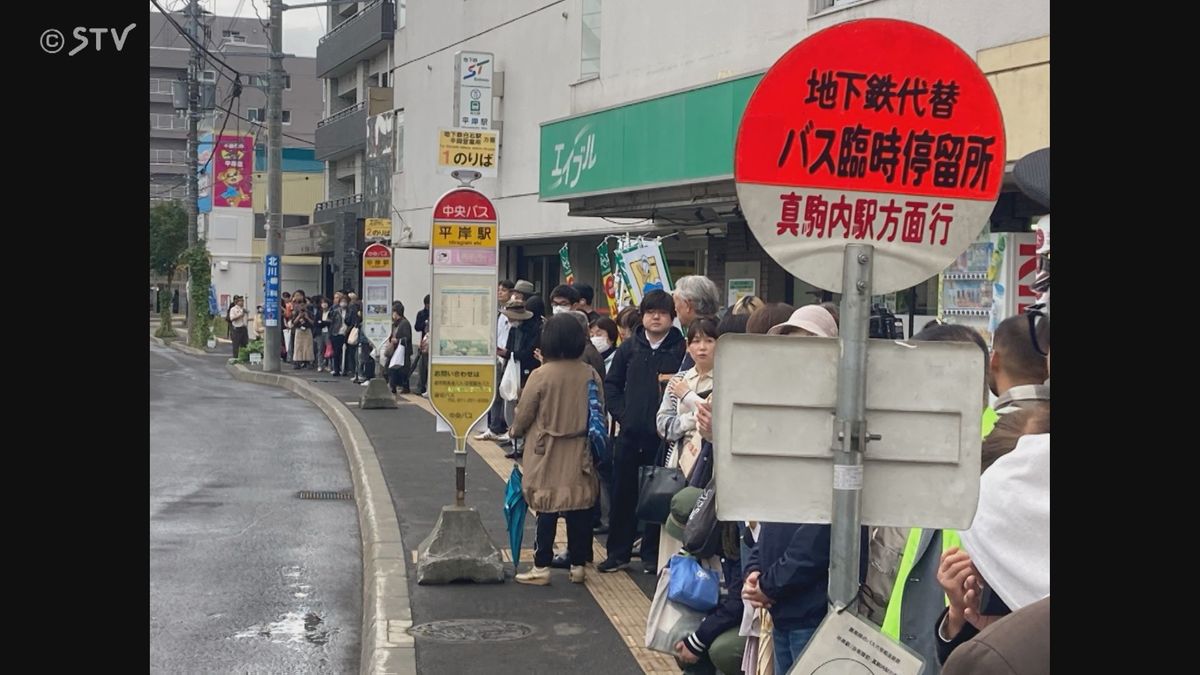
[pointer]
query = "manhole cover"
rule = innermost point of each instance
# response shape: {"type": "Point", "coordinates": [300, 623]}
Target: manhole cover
{"type": "Point", "coordinates": [472, 630]}
{"type": "Point", "coordinates": [316, 494]}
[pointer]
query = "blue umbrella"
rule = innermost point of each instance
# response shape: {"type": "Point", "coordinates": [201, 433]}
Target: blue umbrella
{"type": "Point", "coordinates": [514, 513]}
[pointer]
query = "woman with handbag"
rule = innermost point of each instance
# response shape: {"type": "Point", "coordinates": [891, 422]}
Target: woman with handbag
{"type": "Point", "coordinates": [337, 332]}
{"type": "Point", "coordinates": [302, 342]}
{"type": "Point", "coordinates": [525, 320]}
{"type": "Point", "coordinates": [559, 477]}
{"type": "Point", "coordinates": [676, 420]}
{"type": "Point", "coordinates": [401, 341]}
{"type": "Point", "coordinates": [322, 346]}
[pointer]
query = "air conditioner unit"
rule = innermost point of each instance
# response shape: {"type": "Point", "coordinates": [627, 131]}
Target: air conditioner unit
{"type": "Point", "coordinates": [223, 265]}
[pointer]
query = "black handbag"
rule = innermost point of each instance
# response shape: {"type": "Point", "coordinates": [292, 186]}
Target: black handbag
{"type": "Point", "coordinates": [656, 486]}
{"type": "Point", "coordinates": [702, 534]}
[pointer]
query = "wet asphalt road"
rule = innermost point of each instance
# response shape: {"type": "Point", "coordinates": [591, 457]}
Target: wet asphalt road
{"type": "Point", "coordinates": [244, 575]}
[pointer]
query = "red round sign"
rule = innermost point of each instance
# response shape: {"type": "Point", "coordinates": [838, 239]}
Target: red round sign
{"type": "Point", "coordinates": [877, 132]}
{"type": "Point", "coordinates": [464, 204]}
{"type": "Point", "coordinates": [377, 261]}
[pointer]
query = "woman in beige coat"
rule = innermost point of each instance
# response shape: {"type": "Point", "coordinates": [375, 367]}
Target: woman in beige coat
{"type": "Point", "coordinates": [559, 477]}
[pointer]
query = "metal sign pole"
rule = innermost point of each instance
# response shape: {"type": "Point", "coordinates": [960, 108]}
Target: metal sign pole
{"type": "Point", "coordinates": [460, 471]}
{"type": "Point", "coordinates": [845, 545]}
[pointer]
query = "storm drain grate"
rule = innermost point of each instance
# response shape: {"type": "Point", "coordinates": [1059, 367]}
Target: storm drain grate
{"type": "Point", "coordinates": [472, 630]}
{"type": "Point", "coordinates": [325, 494]}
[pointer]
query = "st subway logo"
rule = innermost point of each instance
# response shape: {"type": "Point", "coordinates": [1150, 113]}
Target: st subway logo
{"type": "Point", "coordinates": [475, 70]}
{"type": "Point", "coordinates": [53, 41]}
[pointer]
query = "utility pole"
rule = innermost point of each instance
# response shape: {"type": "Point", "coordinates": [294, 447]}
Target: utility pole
{"type": "Point", "coordinates": [193, 119]}
{"type": "Point", "coordinates": [274, 335]}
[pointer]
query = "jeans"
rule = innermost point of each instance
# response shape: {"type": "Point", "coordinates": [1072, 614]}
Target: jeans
{"type": "Point", "coordinates": [335, 364]}
{"type": "Point", "coordinates": [788, 647]}
{"type": "Point", "coordinates": [319, 342]}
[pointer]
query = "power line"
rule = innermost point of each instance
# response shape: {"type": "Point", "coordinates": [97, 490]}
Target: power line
{"type": "Point", "coordinates": [191, 39]}
{"type": "Point", "coordinates": [237, 10]}
{"type": "Point", "coordinates": [472, 37]}
{"type": "Point", "coordinates": [255, 123]}
{"type": "Point", "coordinates": [266, 28]}
{"type": "Point", "coordinates": [160, 30]}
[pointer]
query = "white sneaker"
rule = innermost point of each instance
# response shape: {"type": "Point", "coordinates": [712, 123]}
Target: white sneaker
{"type": "Point", "coordinates": [485, 435]}
{"type": "Point", "coordinates": [536, 576]}
{"type": "Point", "coordinates": [503, 438]}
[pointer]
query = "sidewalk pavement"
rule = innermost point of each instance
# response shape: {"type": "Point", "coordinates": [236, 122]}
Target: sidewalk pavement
{"type": "Point", "coordinates": [595, 627]}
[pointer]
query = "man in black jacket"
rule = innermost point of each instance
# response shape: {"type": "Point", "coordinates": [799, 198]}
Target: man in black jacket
{"type": "Point", "coordinates": [633, 390]}
{"type": "Point", "coordinates": [788, 573]}
{"type": "Point", "coordinates": [353, 319]}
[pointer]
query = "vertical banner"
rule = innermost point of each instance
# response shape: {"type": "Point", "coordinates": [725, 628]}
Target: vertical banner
{"type": "Point", "coordinates": [233, 165]}
{"type": "Point", "coordinates": [643, 265]}
{"type": "Point", "coordinates": [271, 290]}
{"type": "Point", "coordinates": [564, 257]}
{"type": "Point", "coordinates": [377, 292]}
{"type": "Point", "coordinates": [606, 277]}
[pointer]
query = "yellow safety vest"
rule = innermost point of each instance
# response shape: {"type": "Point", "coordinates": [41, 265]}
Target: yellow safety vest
{"type": "Point", "coordinates": [950, 539]}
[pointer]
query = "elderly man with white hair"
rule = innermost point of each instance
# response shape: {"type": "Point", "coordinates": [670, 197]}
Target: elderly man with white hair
{"type": "Point", "coordinates": [695, 296]}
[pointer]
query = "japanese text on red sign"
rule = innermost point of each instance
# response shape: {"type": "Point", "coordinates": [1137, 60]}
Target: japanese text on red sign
{"type": "Point", "coordinates": [475, 211]}
{"type": "Point", "coordinates": [861, 219]}
{"type": "Point", "coordinates": [956, 160]}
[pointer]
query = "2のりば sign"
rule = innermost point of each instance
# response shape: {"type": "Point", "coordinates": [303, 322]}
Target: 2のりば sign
{"type": "Point", "coordinates": [878, 132]}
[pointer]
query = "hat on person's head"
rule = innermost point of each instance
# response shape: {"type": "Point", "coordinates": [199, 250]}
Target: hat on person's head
{"type": "Point", "coordinates": [812, 318]}
{"type": "Point", "coordinates": [515, 310]}
{"type": "Point", "coordinates": [1032, 174]}
{"type": "Point", "coordinates": [681, 509]}
{"type": "Point", "coordinates": [523, 287]}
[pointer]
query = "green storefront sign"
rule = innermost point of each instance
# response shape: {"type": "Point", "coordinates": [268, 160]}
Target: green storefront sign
{"type": "Point", "coordinates": [684, 137]}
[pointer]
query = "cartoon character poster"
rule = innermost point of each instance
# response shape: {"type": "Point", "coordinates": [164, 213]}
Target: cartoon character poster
{"type": "Point", "coordinates": [643, 265]}
{"type": "Point", "coordinates": [232, 164]}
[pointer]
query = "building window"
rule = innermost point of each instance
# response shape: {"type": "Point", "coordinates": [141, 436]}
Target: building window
{"type": "Point", "coordinates": [818, 6]}
{"type": "Point", "coordinates": [159, 156]}
{"type": "Point", "coordinates": [260, 223]}
{"type": "Point", "coordinates": [161, 85]}
{"type": "Point", "coordinates": [263, 81]}
{"type": "Point", "coordinates": [401, 13]}
{"type": "Point", "coordinates": [260, 115]}
{"type": "Point", "coordinates": [166, 122]}
{"type": "Point", "coordinates": [589, 55]}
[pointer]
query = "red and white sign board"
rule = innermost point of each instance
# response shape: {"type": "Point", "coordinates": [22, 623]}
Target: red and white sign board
{"type": "Point", "coordinates": [377, 261]}
{"type": "Point", "coordinates": [464, 230]}
{"type": "Point", "coordinates": [464, 246]}
{"type": "Point", "coordinates": [876, 132]}
{"type": "Point", "coordinates": [377, 292]}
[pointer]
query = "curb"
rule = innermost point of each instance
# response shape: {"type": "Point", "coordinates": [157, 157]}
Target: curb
{"type": "Point", "coordinates": [387, 646]}
{"type": "Point", "coordinates": [178, 346]}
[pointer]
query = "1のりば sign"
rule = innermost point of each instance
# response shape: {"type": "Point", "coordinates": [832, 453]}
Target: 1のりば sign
{"type": "Point", "coordinates": [877, 132]}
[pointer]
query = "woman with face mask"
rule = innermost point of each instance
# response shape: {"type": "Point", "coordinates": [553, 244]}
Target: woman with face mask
{"type": "Point", "coordinates": [603, 334]}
